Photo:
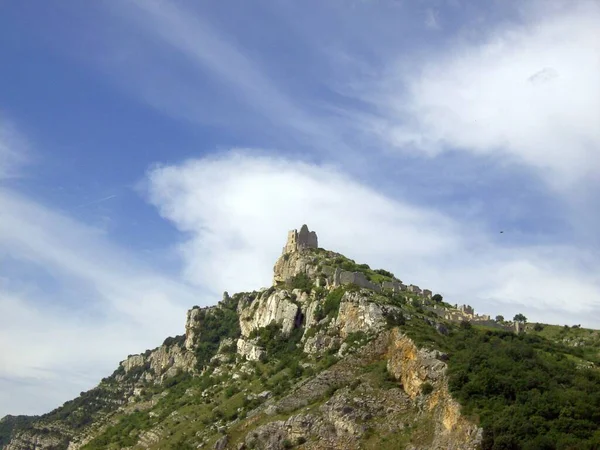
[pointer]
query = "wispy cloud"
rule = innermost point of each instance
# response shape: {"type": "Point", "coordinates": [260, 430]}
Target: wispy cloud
{"type": "Point", "coordinates": [73, 302]}
{"type": "Point", "coordinates": [100, 200]}
{"type": "Point", "coordinates": [13, 149]}
{"type": "Point", "coordinates": [527, 92]}
{"type": "Point", "coordinates": [432, 21]}
{"type": "Point", "coordinates": [210, 69]}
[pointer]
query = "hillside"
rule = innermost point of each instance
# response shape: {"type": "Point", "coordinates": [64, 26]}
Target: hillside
{"type": "Point", "coordinates": [337, 355]}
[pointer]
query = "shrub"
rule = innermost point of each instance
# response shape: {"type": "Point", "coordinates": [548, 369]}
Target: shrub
{"type": "Point", "coordinates": [395, 319]}
{"type": "Point", "coordinates": [465, 325]}
{"type": "Point", "coordinates": [355, 337]}
{"type": "Point", "coordinates": [385, 273]}
{"type": "Point", "coordinates": [437, 298]}
{"type": "Point", "coordinates": [217, 324]}
{"type": "Point", "coordinates": [301, 281]}
{"type": "Point", "coordinates": [538, 327]}
{"type": "Point", "coordinates": [331, 305]}
{"type": "Point", "coordinates": [426, 388]}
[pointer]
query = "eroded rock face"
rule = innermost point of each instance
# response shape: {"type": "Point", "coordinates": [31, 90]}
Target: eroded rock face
{"type": "Point", "coordinates": [132, 362]}
{"type": "Point", "coordinates": [193, 326]}
{"type": "Point", "coordinates": [166, 361]}
{"type": "Point", "coordinates": [276, 307]}
{"type": "Point", "coordinates": [359, 314]}
{"type": "Point", "coordinates": [32, 441]}
{"type": "Point", "coordinates": [342, 420]}
{"type": "Point", "coordinates": [250, 350]}
{"type": "Point", "coordinates": [291, 264]}
{"type": "Point", "coordinates": [321, 342]}
{"type": "Point", "coordinates": [413, 367]}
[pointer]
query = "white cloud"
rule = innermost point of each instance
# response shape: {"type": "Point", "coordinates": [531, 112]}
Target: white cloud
{"type": "Point", "coordinates": [529, 91]}
{"type": "Point", "coordinates": [236, 211]}
{"type": "Point", "coordinates": [73, 304]}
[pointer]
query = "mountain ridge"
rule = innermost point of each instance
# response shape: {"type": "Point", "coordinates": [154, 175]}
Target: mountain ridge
{"type": "Point", "coordinates": [278, 368]}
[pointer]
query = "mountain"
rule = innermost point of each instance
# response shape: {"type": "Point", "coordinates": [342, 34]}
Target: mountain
{"type": "Point", "coordinates": [335, 355]}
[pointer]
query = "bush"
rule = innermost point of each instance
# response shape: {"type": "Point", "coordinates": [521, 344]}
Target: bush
{"type": "Point", "coordinates": [385, 273]}
{"type": "Point", "coordinates": [395, 319]}
{"type": "Point", "coordinates": [465, 325]}
{"type": "Point", "coordinates": [538, 327]}
{"type": "Point", "coordinates": [331, 305]}
{"type": "Point", "coordinates": [217, 324]}
{"type": "Point", "coordinates": [301, 281]}
{"type": "Point", "coordinates": [437, 298]}
{"type": "Point", "coordinates": [426, 388]}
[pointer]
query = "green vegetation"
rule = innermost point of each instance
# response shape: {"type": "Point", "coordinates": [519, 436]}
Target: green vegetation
{"type": "Point", "coordinates": [437, 298]}
{"type": "Point", "coordinates": [331, 306]}
{"type": "Point", "coordinates": [426, 388]}
{"type": "Point", "coordinates": [276, 344]}
{"type": "Point", "coordinates": [520, 318]}
{"type": "Point", "coordinates": [499, 318]}
{"type": "Point", "coordinates": [301, 281]}
{"type": "Point", "coordinates": [385, 273]}
{"type": "Point", "coordinates": [217, 324]}
{"type": "Point", "coordinates": [376, 276]}
{"type": "Point", "coordinates": [170, 341]}
{"type": "Point", "coordinates": [395, 319]}
{"type": "Point", "coordinates": [11, 423]}
{"type": "Point", "coordinates": [124, 433]}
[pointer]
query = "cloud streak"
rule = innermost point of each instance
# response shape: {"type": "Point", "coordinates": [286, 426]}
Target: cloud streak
{"type": "Point", "coordinates": [73, 304]}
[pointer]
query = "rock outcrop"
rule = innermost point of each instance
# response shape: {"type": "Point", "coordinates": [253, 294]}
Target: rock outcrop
{"type": "Point", "coordinates": [413, 367]}
{"type": "Point", "coordinates": [272, 307]}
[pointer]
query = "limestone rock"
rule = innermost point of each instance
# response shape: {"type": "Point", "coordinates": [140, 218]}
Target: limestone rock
{"type": "Point", "coordinates": [250, 350]}
{"type": "Point", "coordinates": [321, 342]}
{"type": "Point", "coordinates": [359, 313]}
{"type": "Point", "coordinates": [166, 361]}
{"type": "Point", "coordinates": [192, 327]}
{"type": "Point", "coordinates": [413, 367]}
{"type": "Point", "coordinates": [276, 307]}
{"type": "Point", "coordinates": [132, 362]}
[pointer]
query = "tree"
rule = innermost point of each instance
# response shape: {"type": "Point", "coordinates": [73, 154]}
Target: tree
{"type": "Point", "coordinates": [499, 318]}
{"type": "Point", "coordinates": [437, 298]}
{"type": "Point", "coordinates": [520, 318]}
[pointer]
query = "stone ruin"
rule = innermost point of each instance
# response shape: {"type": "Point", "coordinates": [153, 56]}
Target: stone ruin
{"type": "Point", "coordinates": [298, 240]}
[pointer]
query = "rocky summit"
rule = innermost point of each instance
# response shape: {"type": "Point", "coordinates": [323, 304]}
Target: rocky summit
{"type": "Point", "coordinates": [336, 355]}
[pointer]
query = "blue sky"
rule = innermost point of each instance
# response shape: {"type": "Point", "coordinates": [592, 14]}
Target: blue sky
{"type": "Point", "coordinates": [154, 154]}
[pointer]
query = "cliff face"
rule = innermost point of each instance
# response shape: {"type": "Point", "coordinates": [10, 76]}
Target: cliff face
{"type": "Point", "coordinates": [414, 367]}
{"type": "Point", "coordinates": [310, 362]}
